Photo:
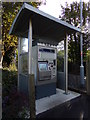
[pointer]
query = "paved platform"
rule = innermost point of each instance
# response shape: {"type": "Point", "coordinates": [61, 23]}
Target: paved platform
{"type": "Point", "coordinates": [52, 101]}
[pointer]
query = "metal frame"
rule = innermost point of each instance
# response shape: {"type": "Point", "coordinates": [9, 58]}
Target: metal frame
{"type": "Point", "coordinates": [31, 84]}
{"type": "Point", "coordinates": [81, 47]}
{"type": "Point", "coordinates": [30, 48]}
{"type": "Point", "coordinates": [66, 63]}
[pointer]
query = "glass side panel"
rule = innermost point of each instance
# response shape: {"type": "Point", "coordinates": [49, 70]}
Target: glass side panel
{"type": "Point", "coordinates": [24, 45]}
{"type": "Point", "coordinates": [24, 64]}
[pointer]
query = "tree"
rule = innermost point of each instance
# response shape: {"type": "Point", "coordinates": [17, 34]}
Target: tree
{"type": "Point", "coordinates": [9, 11]}
{"type": "Point", "coordinates": [71, 14]}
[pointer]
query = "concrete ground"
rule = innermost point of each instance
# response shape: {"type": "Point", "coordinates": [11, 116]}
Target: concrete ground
{"type": "Point", "coordinates": [78, 109]}
{"type": "Point", "coordinates": [53, 101]}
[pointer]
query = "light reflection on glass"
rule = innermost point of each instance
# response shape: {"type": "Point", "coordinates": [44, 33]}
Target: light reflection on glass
{"type": "Point", "coordinates": [81, 115]}
{"type": "Point", "coordinates": [24, 45]}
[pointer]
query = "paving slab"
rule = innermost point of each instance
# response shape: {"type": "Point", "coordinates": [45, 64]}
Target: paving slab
{"type": "Point", "coordinates": [52, 101]}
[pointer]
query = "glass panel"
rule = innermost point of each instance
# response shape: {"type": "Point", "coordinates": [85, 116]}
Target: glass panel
{"type": "Point", "coordinates": [24, 45]}
{"type": "Point", "coordinates": [24, 63]}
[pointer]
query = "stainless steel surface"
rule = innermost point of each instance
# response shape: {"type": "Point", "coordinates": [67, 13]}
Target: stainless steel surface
{"type": "Point", "coordinates": [30, 48]}
{"type": "Point", "coordinates": [66, 63]}
{"type": "Point", "coordinates": [81, 45]}
{"type": "Point", "coordinates": [45, 75]}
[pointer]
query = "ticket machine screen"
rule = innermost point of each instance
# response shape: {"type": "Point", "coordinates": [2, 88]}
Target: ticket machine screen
{"type": "Point", "coordinates": [43, 66]}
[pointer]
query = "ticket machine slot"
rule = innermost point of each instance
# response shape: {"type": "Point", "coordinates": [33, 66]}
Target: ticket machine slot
{"type": "Point", "coordinates": [45, 75]}
{"type": "Point", "coordinates": [54, 61]}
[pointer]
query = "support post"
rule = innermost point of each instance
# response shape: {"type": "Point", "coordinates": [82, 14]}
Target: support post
{"type": "Point", "coordinates": [18, 61]}
{"type": "Point", "coordinates": [66, 64]}
{"type": "Point", "coordinates": [30, 48]}
{"type": "Point", "coordinates": [82, 82]}
{"type": "Point", "coordinates": [31, 85]}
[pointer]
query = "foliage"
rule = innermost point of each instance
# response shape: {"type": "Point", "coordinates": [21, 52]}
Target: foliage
{"type": "Point", "coordinates": [24, 113]}
{"type": "Point", "coordinates": [12, 67]}
{"type": "Point", "coordinates": [9, 11]}
{"type": "Point", "coordinates": [88, 53]}
{"type": "Point", "coordinates": [13, 105]}
{"type": "Point", "coordinates": [12, 101]}
{"type": "Point", "coordinates": [10, 42]}
{"type": "Point", "coordinates": [71, 14]}
{"type": "Point", "coordinates": [61, 53]}
{"type": "Point", "coordinates": [9, 81]}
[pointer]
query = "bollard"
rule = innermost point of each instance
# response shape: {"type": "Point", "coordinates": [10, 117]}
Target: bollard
{"type": "Point", "coordinates": [82, 81]}
{"type": "Point", "coordinates": [31, 88]}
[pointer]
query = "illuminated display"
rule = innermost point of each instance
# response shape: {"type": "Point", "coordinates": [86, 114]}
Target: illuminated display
{"type": "Point", "coordinates": [43, 66]}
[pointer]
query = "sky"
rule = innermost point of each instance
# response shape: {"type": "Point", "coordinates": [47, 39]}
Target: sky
{"type": "Point", "coordinates": [53, 8]}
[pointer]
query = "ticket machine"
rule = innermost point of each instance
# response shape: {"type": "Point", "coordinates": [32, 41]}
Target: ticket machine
{"type": "Point", "coordinates": [44, 68]}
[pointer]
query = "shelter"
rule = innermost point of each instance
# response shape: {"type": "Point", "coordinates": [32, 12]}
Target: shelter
{"type": "Point", "coordinates": [36, 25]}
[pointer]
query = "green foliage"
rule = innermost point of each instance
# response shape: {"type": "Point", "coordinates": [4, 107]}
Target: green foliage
{"type": "Point", "coordinates": [12, 67]}
{"type": "Point", "coordinates": [9, 80]}
{"type": "Point", "coordinates": [71, 14]}
{"type": "Point", "coordinates": [12, 100]}
{"type": "Point", "coordinates": [9, 11]}
{"type": "Point", "coordinates": [61, 53]}
{"type": "Point", "coordinates": [24, 113]}
{"type": "Point", "coordinates": [10, 42]}
{"type": "Point", "coordinates": [88, 53]}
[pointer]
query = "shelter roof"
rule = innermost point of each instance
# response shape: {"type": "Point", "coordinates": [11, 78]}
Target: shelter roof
{"type": "Point", "coordinates": [44, 26]}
